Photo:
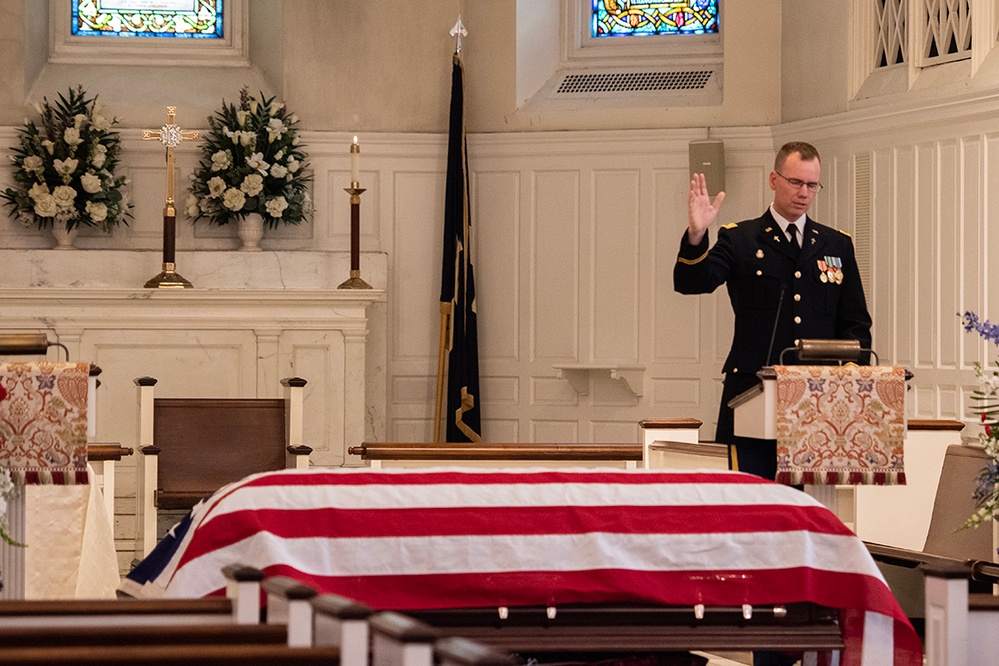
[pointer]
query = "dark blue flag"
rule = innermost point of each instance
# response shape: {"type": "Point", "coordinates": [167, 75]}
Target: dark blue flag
{"type": "Point", "coordinates": [457, 282]}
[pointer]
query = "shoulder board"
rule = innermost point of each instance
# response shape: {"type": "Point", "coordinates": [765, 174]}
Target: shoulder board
{"type": "Point", "coordinates": [844, 233]}
{"type": "Point", "coordinates": [730, 225]}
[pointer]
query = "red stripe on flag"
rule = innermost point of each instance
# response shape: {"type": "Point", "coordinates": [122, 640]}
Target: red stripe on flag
{"type": "Point", "coordinates": [332, 523]}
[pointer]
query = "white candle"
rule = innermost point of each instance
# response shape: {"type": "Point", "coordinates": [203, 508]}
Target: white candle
{"type": "Point", "coordinates": [355, 160]}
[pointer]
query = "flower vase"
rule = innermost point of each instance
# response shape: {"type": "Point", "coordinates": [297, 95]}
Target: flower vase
{"type": "Point", "coordinates": [250, 229]}
{"type": "Point", "coordinates": [64, 238]}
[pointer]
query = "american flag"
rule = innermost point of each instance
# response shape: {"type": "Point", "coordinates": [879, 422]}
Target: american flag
{"type": "Point", "coordinates": [455, 538]}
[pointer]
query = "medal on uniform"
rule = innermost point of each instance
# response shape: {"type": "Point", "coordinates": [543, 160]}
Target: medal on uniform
{"type": "Point", "coordinates": [834, 272]}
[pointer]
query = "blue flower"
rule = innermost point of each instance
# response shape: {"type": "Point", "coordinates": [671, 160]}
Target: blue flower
{"type": "Point", "coordinates": [986, 329]}
{"type": "Point", "coordinates": [985, 403]}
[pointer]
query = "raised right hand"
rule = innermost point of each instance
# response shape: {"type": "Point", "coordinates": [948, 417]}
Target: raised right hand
{"type": "Point", "coordinates": [701, 211]}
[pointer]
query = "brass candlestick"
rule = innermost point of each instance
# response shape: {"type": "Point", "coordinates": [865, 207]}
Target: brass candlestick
{"type": "Point", "coordinates": [355, 281]}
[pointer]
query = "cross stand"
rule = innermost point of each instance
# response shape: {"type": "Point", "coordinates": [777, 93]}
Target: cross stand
{"type": "Point", "coordinates": [170, 135]}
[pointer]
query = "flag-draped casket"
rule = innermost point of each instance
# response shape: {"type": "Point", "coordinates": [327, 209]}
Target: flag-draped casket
{"type": "Point", "coordinates": [449, 538]}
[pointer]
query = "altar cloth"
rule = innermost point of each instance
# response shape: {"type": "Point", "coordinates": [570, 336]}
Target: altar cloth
{"type": "Point", "coordinates": [71, 552]}
{"type": "Point", "coordinates": [456, 538]}
{"type": "Point", "coordinates": [43, 422]}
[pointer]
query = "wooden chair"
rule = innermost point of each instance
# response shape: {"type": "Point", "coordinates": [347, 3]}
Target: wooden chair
{"type": "Point", "coordinates": [191, 447]}
{"type": "Point", "coordinates": [952, 505]}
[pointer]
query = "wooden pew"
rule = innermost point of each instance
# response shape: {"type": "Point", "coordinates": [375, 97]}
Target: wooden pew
{"type": "Point", "coordinates": [398, 639]}
{"type": "Point", "coordinates": [156, 631]}
{"type": "Point", "coordinates": [288, 637]}
{"type": "Point", "coordinates": [240, 606]}
{"type": "Point", "coordinates": [392, 639]}
{"type": "Point", "coordinates": [288, 604]}
{"type": "Point", "coordinates": [455, 651]}
{"type": "Point", "coordinates": [138, 634]}
{"type": "Point", "coordinates": [413, 454]}
{"type": "Point", "coordinates": [343, 623]}
{"type": "Point", "coordinates": [962, 629]}
{"type": "Point", "coordinates": [115, 612]}
{"type": "Point", "coordinates": [171, 655]}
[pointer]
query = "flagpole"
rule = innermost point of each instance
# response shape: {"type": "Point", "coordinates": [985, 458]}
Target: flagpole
{"type": "Point", "coordinates": [441, 355]}
{"type": "Point", "coordinates": [457, 396]}
{"type": "Point", "coordinates": [445, 306]}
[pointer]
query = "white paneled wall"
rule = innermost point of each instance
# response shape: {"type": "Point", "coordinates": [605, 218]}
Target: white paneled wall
{"type": "Point", "coordinates": [575, 238]}
{"type": "Point", "coordinates": [933, 175]}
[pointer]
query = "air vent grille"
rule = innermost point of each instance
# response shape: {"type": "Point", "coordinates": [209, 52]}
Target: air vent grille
{"type": "Point", "coordinates": [625, 82]}
{"type": "Point", "coordinates": [862, 223]}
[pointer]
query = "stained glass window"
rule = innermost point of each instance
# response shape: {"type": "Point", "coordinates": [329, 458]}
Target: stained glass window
{"type": "Point", "coordinates": [627, 18]}
{"type": "Point", "coordinates": [200, 19]}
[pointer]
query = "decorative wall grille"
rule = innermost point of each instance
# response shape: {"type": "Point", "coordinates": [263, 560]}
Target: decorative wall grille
{"type": "Point", "coordinates": [891, 42]}
{"type": "Point", "coordinates": [942, 31]}
{"type": "Point", "coordinates": [947, 35]}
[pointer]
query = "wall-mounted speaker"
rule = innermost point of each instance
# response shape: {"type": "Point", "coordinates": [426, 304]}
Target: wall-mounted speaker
{"type": "Point", "coordinates": [708, 157]}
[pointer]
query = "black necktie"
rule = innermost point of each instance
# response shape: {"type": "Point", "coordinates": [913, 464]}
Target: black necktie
{"type": "Point", "coordinates": [793, 230]}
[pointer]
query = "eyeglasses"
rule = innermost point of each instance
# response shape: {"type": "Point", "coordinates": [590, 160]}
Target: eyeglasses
{"type": "Point", "coordinates": [796, 183]}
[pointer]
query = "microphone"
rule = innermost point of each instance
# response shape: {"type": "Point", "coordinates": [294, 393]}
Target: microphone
{"type": "Point", "coordinates": [773, 334]}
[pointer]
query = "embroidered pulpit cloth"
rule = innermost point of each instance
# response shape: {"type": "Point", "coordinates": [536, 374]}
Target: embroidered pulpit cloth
{"type": "Point", "coordinates": [840, 424]}
{"type": "Point", "coordinates": [43, 422]}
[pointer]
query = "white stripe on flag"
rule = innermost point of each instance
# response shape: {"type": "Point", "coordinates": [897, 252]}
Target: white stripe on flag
{"type": "Point", "coordinates": [388, 556]}
{"type": "Point", "coordinates": [879, 638]}
{"type": "Point", "coordinates": [506, 495]}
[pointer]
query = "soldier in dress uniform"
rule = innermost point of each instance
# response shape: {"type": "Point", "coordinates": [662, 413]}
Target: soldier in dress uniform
{"type": "Point", "coordinates": [783, 288]}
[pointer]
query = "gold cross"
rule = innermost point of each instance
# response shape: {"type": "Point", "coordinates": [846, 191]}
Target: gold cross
{"type": "Point", "coordinates": [170, 135]}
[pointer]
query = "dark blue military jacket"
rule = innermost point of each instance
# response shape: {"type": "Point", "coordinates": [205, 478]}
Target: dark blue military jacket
{"type": "Point", "coordinates": [816, 295]}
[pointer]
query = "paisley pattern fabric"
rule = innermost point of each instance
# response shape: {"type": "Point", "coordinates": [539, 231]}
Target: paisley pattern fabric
{"type": "Point", "coordinates": [840, 424]}
{"type": "Point", "coordinates": [43, 422]}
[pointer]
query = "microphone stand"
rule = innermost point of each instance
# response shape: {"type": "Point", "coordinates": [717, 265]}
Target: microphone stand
{"type": "Point", "coordinates": [773, 334]}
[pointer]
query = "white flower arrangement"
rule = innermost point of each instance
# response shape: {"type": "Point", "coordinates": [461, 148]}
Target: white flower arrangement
{"type": "Point", "coordinates": [252, 161]}
{"type": "Point", "coordinates": [64, 167]}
